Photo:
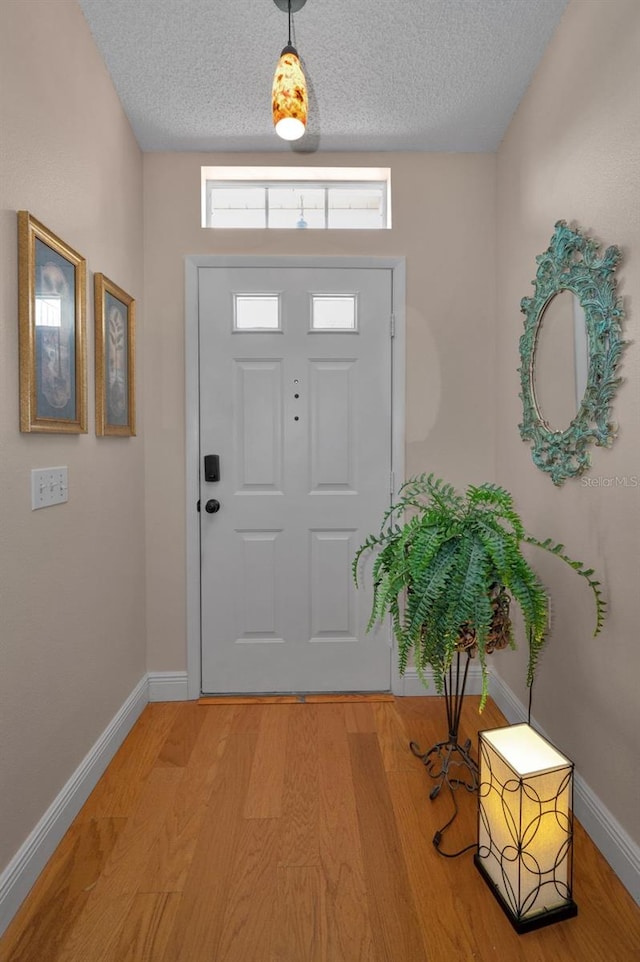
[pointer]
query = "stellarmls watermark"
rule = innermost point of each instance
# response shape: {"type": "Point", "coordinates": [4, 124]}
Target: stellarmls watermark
{"type": "Point", "coordinates": [616, 481]}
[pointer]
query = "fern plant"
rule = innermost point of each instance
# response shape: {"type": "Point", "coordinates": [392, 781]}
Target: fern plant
{"type": "Point", "coordinates": [447, 566]}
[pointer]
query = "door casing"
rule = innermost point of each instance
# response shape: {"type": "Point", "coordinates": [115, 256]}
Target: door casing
{"type": "Point", "coordinates": [192, 419]}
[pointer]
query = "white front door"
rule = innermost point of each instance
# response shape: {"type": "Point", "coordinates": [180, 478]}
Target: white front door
{"type": "Point", "coordinates": [295, 400]}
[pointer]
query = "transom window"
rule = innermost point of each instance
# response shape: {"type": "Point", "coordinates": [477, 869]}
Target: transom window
{"type": "Point", "coordinates": [296, 198]}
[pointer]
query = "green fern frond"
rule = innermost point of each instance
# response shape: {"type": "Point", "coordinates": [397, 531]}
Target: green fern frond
{"type": "Point", "coordinates": [579, 568]}
{"type": "Point", "coordinates": [427, 587]}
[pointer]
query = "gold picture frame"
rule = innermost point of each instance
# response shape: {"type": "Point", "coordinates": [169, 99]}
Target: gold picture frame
{"type": "Point", "coordinates": [115, 314]}
{"type": "Point", "coordinates": [51, 316]}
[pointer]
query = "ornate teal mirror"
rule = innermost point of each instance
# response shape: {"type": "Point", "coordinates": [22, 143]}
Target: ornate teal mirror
{"type": "Point", "coordinates": [569, 353]}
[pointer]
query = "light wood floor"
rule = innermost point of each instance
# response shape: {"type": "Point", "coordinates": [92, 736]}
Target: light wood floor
{"type": "Point", "coordinates": [291, 833]}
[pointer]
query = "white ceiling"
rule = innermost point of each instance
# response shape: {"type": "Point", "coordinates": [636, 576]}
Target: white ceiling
{"type": "Point", "coordinates": [432, 75]}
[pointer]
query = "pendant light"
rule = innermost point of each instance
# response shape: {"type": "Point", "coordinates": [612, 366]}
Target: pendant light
{"type": "Point", "coordinates": [289, 96]}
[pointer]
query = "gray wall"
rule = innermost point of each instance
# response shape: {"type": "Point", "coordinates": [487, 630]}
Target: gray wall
{"type": "Point", "coordinates": [572, 152]}
{"type": "Point", "coordinates": [72, 628]}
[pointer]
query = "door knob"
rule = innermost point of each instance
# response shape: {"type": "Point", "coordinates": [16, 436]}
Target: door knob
{"type": "Point", "coordinates": [212, 506]}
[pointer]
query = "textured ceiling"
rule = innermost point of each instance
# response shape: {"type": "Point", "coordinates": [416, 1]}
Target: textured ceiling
{"type": "Point", "coordinates": [437, 75]}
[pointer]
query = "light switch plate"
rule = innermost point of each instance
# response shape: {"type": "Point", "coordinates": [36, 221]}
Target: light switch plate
{"type": "Point", "coordinates": [49, 486]}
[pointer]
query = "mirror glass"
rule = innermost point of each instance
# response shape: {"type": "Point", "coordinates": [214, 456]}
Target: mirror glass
{"type": "Point", "coordinates": [560, 360]}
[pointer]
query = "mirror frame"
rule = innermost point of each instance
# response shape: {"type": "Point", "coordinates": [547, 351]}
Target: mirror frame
{"type": "Point", "coordinates": [571, 263]}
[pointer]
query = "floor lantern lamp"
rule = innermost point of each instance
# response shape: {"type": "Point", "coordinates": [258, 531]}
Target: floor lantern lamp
{"type": "Point", "coordinates": [525, 826]}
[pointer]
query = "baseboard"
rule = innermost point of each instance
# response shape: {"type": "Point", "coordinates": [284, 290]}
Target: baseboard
{"type": "Point", "coordinates": [410, 683]}
{"type": "Point", "coordinates": [24, 868]}
{"type": "Point", "coordinates": [619, 849]}
{"type": "Point", "coordinates": [168, 686]}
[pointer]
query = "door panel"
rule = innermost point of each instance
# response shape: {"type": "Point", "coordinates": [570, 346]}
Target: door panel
{"type": "Point", "coordinates": [258, 424]}
{"type": "Point", "coordinates": [331, 423]}
{"type": "Point", "coordinates": [301, 419]}
{"type": "Point", "coordinates": [330, 585]}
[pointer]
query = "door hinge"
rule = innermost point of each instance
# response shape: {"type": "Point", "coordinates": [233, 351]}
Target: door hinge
{"type": "Point", "coordinates": [198, 505]}
{"type": "Point", "coordinates": [392, 483]}
{"type": "Point", "coordinates": [392, 325]}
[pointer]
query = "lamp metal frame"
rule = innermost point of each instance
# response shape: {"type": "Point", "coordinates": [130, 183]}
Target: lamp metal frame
{"type": "Point", "coordinates": [516, 910]}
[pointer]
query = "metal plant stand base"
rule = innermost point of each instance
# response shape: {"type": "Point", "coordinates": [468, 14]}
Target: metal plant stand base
{"type": "Point", "coordinates": [449, 762]}
{"type": "Point", "coordinates": [440, 759]}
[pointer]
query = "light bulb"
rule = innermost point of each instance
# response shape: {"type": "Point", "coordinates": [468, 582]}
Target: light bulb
{"type": "Point", "coordinates": [290, 128]}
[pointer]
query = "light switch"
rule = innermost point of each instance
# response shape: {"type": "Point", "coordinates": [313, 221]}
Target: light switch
{"type": "Point", "coordinates": [49, 486]}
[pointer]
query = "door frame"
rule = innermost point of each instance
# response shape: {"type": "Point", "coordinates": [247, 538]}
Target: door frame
{"type": "Point", "coordinates": [193, 263]}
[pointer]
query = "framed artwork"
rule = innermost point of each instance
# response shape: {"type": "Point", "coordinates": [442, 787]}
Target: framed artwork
{"type": "Point", "coordinates": [115, 359]}
{"type": "Point", "coordinates": [51, 313]}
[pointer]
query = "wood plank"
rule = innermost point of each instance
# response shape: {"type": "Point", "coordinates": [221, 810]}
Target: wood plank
{"type": "Point", "coordinates": [264, 797]}
{"type": "Point", "coordinates": [199, 921]}
{"type": "Point", "coordinates": [171, 851]}
{"type": "Point", "coordinates": [111, 898]}
{"type": "Point", "coordinates": [300, 929]}
{"type": "Point", "coordinates": [433, 879]}
{"type": "Point", "coordinates": [116, 794]}
{"type": "Point", "coordinates": [349, 934]}
{"type": "Point", "coordinates": [98, 927]}
{"type": "Point", "coordinates": [251, 896]}
{"type": "Point", "coordinates": [392, 739]}
{"type": "Point", "coordinates": [143, 937]}
{"type": "Point", "coordinates": [424, 720]}
{"type": "Point", "coordinates": [247, 719]}
{"type": "Point", "coordinates": [184, 732]}
{"type": "Point", "coordinates": [125, 866]}
{"type": "Point", "coordinates": [299, 839]}
{"type": "Point", "coordinates": [394, 919]}
{"type": "Point", "coordinates": [57, 899]}
{"type": "Point", "coordinates": [359, 717]}
{"type": "Point", "coordinates": [600, 897]}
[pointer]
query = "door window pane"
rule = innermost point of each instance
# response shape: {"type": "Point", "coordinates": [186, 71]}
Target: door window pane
{"type": "Point", "coordinates": [256, 312]}
{"type": "Point", "coordinates": [335, 312]}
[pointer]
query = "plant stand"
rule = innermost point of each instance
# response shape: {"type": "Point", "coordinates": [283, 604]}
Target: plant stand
{"type": "Point", "coordinates": [449, 762]}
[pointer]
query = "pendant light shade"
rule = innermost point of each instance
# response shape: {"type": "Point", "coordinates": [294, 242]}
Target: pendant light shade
{"type": "Point", "coordinates": [289, 95]}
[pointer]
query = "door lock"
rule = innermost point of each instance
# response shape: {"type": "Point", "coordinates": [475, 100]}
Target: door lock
{"type": "Point", "coordinates": [212, 506]}
{"type": "Point", "coordinates": [212, 467]}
